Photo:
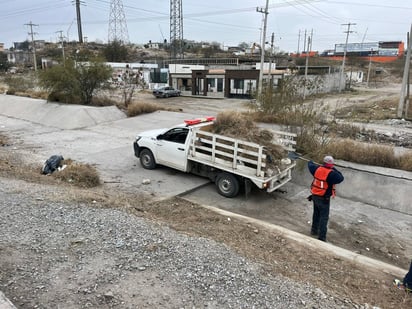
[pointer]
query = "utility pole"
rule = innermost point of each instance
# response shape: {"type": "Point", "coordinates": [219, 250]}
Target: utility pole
{"type": "Point", "coordinates": [62, 44]}
{"type": "Point", "coordinates": [306, 68]}
{"type": "Point", "coordinates": [369, 67]}
{"type": "Point", "coordinates": [262, 46]}
{"type": "Point", "coordinates": [270, 60]}
{"type": "Point", "coordinates": [311, 39]}
{"type": "Point", "coordinates": [344, 53]}
{"type": "Point", "coordinates": [401, 107]}
{"type": "Point", "coordinates": [79, 22]}
{"type": "Point", "coordinates": [33, 43]}
{"type": "Point", "coordinates": [298, 43]}
{"type": "Point", "coordinates": [304, 42]}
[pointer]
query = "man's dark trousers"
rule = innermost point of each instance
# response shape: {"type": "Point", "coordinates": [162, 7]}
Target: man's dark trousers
{"type": "Point", "coordinates": [407, 281]}
{"type": "Point", "coordinates": [320, 217]}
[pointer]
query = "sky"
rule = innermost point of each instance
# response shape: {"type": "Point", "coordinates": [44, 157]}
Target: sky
{"type": "Point", "coordinates": [228, 22]}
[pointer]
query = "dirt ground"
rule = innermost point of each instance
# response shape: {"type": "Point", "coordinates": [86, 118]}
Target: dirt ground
{"type": "Point", "coordinates": [274, 251]}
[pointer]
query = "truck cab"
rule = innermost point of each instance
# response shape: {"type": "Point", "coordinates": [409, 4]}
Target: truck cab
{"type": "Point", "coordinates": [167, 147]}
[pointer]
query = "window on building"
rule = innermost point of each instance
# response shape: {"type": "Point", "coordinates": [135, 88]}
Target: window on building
{"type": "Point", "coordinates": [220, 85]}
{"type": "Point", "coordinates": [238, 83]}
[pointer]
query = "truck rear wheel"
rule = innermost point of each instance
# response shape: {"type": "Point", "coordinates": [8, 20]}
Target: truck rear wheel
{"type": "Point", "coordinates": [147, 160]}
{"type": "Point", "coordinates": [227, 185]}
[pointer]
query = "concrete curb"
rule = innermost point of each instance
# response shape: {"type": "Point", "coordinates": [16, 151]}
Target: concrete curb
{"type": "Point", "coordinates": [315, 244]}
{"type": "Point", "coordinates": [5, 303]}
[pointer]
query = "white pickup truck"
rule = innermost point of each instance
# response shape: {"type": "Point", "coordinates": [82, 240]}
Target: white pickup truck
{"type": "Point", "coordinates": [230, 163]}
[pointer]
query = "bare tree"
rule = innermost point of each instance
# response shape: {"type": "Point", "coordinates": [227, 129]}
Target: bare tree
{"type": "Point", "coordinates": [130, 81]}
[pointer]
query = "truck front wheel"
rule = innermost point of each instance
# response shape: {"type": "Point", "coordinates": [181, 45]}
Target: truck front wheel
{"type": "Point", "coordinates": [147, 160]}
{"type": "Point", "coordinates": [227, 185]}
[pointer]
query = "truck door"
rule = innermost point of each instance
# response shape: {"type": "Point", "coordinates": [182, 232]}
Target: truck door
{"type": "Point", "coordinates": [172, 149]}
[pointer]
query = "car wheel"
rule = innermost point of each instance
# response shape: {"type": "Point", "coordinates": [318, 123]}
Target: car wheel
{"type": "Point", "coordinates": [227, 185]}
{"type": "Point", "coordinates": [147, 160]}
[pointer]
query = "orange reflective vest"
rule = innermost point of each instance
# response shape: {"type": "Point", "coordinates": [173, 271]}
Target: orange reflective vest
{"type": "Point", "coordinates": [319, 183]}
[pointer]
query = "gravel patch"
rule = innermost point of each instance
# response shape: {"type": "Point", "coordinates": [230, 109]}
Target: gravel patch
{"type": "Point", "coordinates": [73, 255]}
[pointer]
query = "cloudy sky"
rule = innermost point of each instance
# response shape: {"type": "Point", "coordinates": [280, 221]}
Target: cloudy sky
{"type": "Point", "coordinates": [228, 22]}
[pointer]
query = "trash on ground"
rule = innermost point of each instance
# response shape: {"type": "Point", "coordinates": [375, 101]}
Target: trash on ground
{"type": "Point", "coordinates": [52, 164]}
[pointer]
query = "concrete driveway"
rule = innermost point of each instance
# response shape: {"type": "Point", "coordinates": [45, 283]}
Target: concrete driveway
{"type": "Point", "coordinates": [102, 137]}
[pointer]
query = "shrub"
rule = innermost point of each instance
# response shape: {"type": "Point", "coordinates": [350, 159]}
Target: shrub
{"type": "Point", "coordinates": [80, 175]}
{"type": "Point", "coordinates": [19, 83]}
{"type": "Point", "coordinates": [405, 162]}
{"type": "Point", "coordinates": [75, 83]}
{"type": "Point", "coordinates": [136, 109]}
{"type": "Point", "coordinates": [103, 101]}
{"type": "Point", "coordinates": [139, 108]}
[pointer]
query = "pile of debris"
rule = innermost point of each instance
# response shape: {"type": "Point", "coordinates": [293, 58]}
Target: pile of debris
{"type": "Point", "coordinates": [239, 126]}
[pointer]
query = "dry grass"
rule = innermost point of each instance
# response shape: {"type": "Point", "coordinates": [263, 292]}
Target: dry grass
{"type": "Point", "coordinates": [405, 162]}
{"type": "Point", "coordinates": [385, 109]}
{"type": "Point", "coordinates": [279, 254]}
{"type": "Point", "coordinates": [78, 174]}
{"type": "Point", "coordinates": [369, 154]}
{"type": "Point", "coordinates": [103, 101]}
{"type": "Point", "coordinates": [3, 140]}
{"type": "Point", "coordinates": [3, 89]}
{"type": "Point", "coordinates": [139, 108]}
{"type": "Point", "coordinates": [12, 166]}
{"type": "Point", "coordinates": [34, 94]}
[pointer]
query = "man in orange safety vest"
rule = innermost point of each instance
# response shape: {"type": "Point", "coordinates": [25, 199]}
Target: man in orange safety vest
{"type": "Point", "coordinates": [325, 177]}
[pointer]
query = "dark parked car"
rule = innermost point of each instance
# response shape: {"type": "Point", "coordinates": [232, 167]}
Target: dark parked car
{"type": "Point", "coordinates": [165, 92]}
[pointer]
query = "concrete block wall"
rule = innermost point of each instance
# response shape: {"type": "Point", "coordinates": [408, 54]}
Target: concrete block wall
{"type": "Point", "coordinates": [377, 186]}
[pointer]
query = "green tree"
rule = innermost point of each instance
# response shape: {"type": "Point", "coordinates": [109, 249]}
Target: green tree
{"type": "Point", "coordinates": [91, 76]}
{"type": "Point", "coordinates": [4, 64]}
{"type": "Point", "coordinates": [115, 52]}
{"type": "Point", "coordinates": [244, 45]}
{"type": "Point", "coordinates": [75, 82]}
{"type": "Point", "coordinates": [285, 105]}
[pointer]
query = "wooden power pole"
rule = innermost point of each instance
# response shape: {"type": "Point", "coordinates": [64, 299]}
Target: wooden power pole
{"type": "Point", "coordinates": [404, 96]}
